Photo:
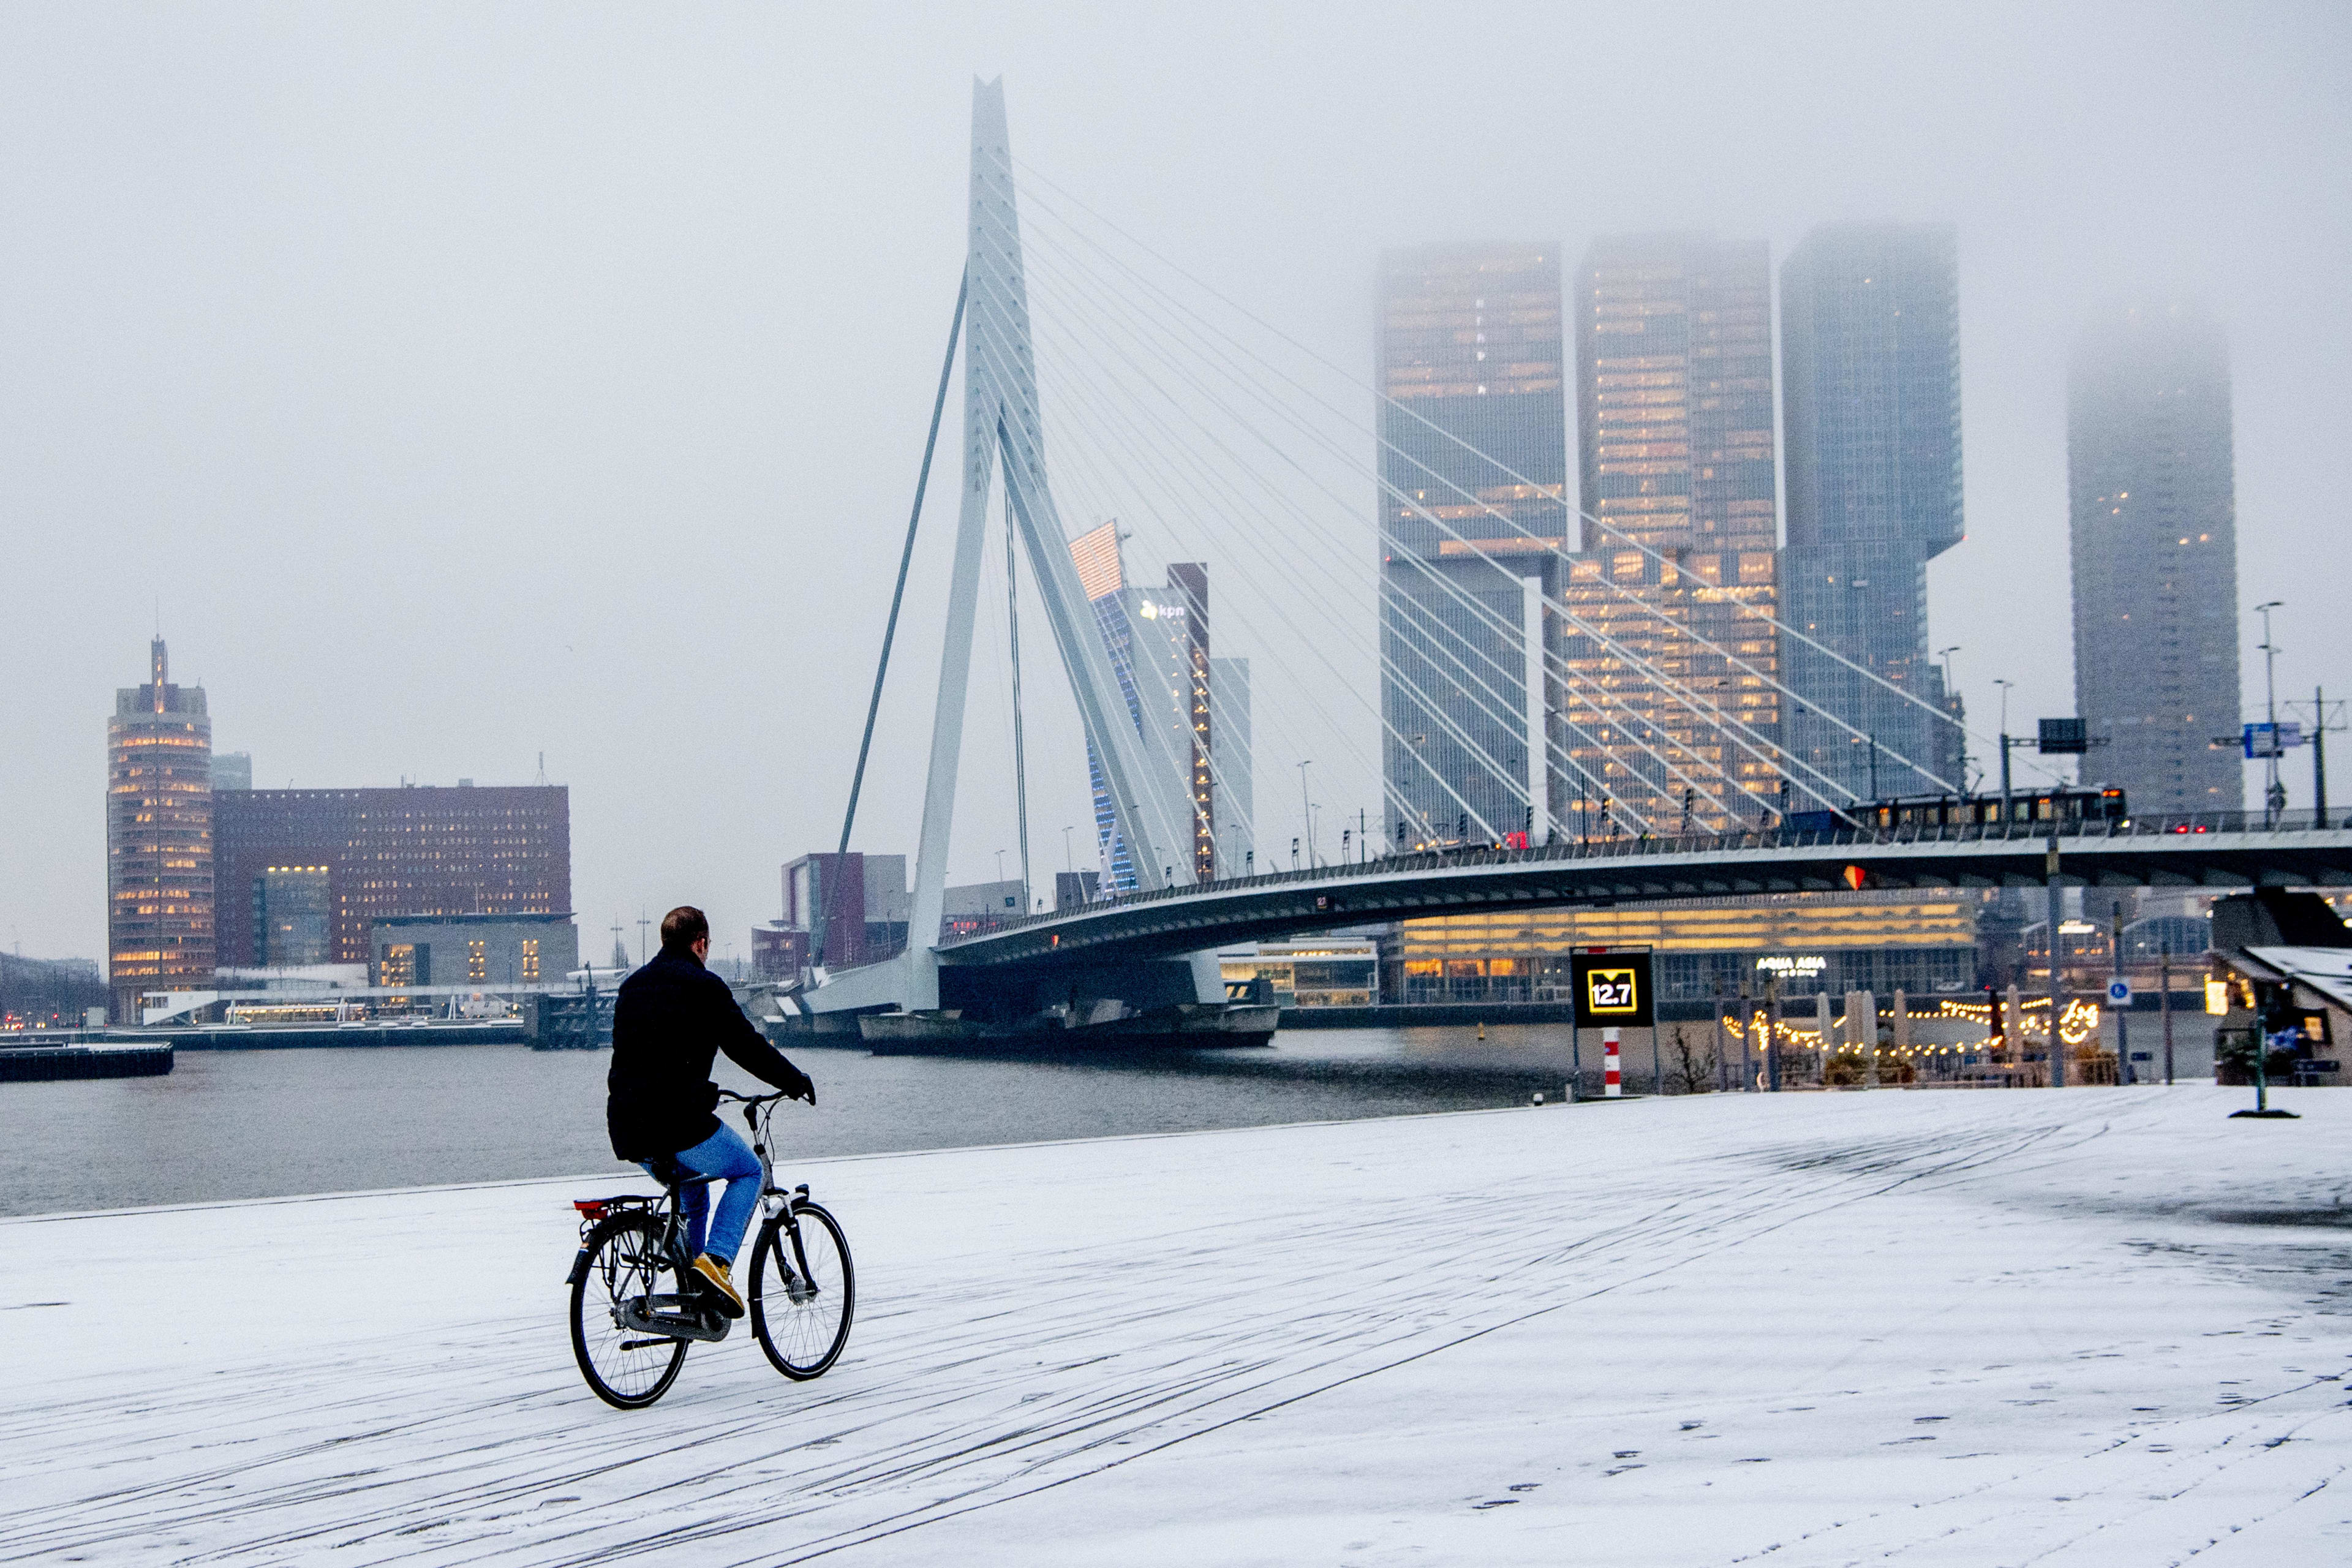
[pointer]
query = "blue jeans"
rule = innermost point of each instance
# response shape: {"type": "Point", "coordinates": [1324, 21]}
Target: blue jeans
{"type": "Point", "coordinates": [723, 1154]}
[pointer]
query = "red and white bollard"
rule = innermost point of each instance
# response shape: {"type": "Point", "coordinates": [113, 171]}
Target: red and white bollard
{"type": "Point", "coordinates": [1611, 1087]}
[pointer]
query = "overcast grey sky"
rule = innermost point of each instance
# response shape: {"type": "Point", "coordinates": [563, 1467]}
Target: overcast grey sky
{"type": "Point", "coordinates": [480, 380]}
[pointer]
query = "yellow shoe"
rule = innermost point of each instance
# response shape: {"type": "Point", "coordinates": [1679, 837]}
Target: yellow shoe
{"type": "Point", "coordinates": [730, 1301]}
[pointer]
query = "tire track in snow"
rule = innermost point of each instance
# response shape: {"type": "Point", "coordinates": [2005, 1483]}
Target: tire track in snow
{"type": "Point", "coordinates": [981, 1385]}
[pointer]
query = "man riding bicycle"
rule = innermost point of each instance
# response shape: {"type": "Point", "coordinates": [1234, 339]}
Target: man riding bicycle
{"type": "Point", "coordinates": [670, 1018]}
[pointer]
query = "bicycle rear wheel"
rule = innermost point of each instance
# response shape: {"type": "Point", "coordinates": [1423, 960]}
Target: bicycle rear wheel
{"type": "Point", "coordinates": [804, 1293]}
{"type": "Point", "coordinates": [625, 1367]}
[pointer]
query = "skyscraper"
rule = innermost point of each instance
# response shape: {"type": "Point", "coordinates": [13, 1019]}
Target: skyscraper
{"type": "Point", "coordinates": [1188, 684]}
{"type": "Point", "coordinates": [1474, 465]}
{"type": "Point", "coordinates": [2151, 490]}
{"type": "Point", "coordinates": [1672, 712]}
{"type": "Point", "coordinates": [1870, 365]}
{"type": "Point", "coordinates": [158, 838]}
{"type": "Point", "coordinates": [1159, 647]}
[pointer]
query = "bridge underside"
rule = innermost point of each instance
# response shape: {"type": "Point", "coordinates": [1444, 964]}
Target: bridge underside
{"type": "Point", "coordinates": [1160, 925]}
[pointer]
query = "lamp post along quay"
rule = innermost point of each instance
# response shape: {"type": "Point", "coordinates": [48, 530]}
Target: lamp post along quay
{"type": "Point", "coordinates": [2273, 792]}
{"type": "Point", "coordinates": [2057, 964]}
{"type": "Point", "coordinates": [2164, 984]}
{"type": "Point", "coordinates": [2119, 998]}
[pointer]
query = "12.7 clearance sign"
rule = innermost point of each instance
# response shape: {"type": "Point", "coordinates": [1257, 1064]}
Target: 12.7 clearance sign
{"type": "Point", "coordinates": [1611, 988]}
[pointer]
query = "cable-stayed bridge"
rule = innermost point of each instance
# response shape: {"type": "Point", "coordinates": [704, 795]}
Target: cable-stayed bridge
{"type": "Point", "coordinates": [2238, 852]}
{"type": "Point", "coordinates": [1567, 711]}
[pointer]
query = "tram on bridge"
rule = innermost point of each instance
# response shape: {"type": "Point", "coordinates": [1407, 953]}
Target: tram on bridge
{"type": "Point", "coordinates": [2070, 807]}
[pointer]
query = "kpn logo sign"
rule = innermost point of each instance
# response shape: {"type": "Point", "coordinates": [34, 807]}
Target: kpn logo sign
{"type": "Point", "coordinates": [1611, 988]}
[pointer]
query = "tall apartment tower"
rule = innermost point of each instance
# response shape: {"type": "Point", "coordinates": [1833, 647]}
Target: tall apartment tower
{"type": "Point", "coordinates": [158, 838]}
{"type": "Point", "coordinates": [2152, 506]}
{"type": "Point", "coordinates": [1474, 464]}
{"type": "Point", "coordinates": [1671, 710]}
{"type": "Point", "coordinates": [1870, 369]}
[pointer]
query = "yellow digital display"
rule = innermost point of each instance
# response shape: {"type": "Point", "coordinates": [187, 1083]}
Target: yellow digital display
{"type": "Point", "coordinates": [1611, 990]}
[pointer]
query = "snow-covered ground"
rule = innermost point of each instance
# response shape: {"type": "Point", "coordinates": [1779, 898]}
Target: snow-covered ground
{"type": "Point", "coordinates": [2090, 1326]}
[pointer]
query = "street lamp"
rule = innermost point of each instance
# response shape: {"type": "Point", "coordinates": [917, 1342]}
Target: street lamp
{"type": "Point", "coordinates": [2005, 685]}
{"type": "Point", "coordinates": [2273, 792]}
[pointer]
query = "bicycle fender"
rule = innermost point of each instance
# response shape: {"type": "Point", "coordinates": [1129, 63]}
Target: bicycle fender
{"type": "Point", "coordinates": [579, 1268]}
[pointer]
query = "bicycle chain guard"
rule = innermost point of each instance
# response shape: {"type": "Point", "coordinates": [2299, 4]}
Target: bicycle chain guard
{"type": "Point", "coordinates": [687, 1321]}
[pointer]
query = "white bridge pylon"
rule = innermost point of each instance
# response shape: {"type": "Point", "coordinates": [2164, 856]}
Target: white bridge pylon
{"type": "Point", "coordinates": [1140, 771]}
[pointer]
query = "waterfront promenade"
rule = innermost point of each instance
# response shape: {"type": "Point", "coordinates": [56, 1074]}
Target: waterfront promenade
{"type": "Point", "coordinates": [2092, 1326]}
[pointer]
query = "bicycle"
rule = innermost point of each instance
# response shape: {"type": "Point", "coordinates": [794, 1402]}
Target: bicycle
{"type": "Point", "coordinates": [630, 1331]}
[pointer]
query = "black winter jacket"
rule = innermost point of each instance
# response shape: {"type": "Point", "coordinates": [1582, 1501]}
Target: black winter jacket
{"type": "Point", "coordinates": [671, 1016]}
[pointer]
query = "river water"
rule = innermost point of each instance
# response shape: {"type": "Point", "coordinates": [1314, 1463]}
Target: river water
{"type": "Point", "coordinates": [249, 1124]}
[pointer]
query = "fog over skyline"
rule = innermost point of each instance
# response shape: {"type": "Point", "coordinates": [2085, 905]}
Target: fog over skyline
{"type": "Point", "coordinates": [472, 381]}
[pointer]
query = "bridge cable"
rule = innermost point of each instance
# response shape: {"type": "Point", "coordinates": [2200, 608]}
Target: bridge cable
{"type": "Point", "coordinates": [1085, 408]}
{"type": "Point", "coordinates": [1750, 612]}
{"type": "Point", "coordinates": [1727, 723]}
{"type": "Point", "coordinates": [1681, 628]}
{"type": "Point", "coordinates": [890, 627]}
{"type": "Point", "coordinates": [1509, 722]}
{"type": "Point", "coordinates": [1076, 367]}
{"type": "Point", "coordinates": [1077, 411]}
{"type": "Point", "coordinates": [1016, 439]}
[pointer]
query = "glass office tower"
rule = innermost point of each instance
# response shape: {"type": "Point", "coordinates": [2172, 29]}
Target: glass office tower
{"type": "Point", "coordinates": [2151, 490]}
{"type": "Point", "coordinates": [1675, 720]}
{"type": "Point", "coordinates": [1870, 365]}
{"type": "Point", "coordinates": [1473, 466]}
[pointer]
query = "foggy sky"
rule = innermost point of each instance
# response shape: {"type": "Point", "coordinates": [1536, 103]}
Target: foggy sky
{"type": "Point", "coordinates": [478, 381]}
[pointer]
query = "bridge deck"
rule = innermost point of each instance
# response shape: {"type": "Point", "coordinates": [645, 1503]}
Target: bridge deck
{"type": "Point", "coordinates": [2230, 852]}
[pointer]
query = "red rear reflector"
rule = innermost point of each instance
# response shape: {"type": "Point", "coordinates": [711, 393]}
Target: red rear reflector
{"type": "Point", "coordinates": [593, 1207]}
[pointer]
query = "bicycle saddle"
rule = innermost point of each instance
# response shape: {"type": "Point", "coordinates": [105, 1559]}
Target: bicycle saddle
{"type": "Point", "coordinates": [670, 1174]}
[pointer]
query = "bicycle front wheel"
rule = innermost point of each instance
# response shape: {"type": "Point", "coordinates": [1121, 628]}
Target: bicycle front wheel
{"type": "Point", "coordinates": [803, 1291]}
{"type": "Point", "coordinates": [625, 1367]}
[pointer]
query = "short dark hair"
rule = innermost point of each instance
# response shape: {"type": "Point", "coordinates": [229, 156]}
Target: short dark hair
{"type": "Point", "coordinates": [683, 927]}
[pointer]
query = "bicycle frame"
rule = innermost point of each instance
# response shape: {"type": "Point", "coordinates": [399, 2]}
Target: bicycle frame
{"type": "Point", "coordinates": [776, 1205]}
{"type": "Point", "coordinates": [679, 1316]}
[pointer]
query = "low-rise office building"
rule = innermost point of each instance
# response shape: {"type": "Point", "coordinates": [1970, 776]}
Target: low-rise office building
{"type": "Point", "coordinates": [1327, 972]}
{"type": "Point", "coordinates": [303, 874]}
{"type": "Point", "coordinates": [491, 951]}
{"type": "Point", "coordinates": [1922, 942]}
